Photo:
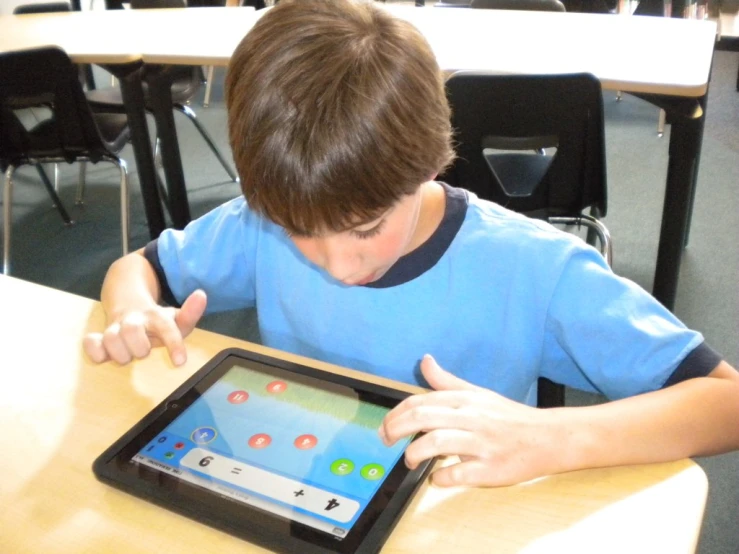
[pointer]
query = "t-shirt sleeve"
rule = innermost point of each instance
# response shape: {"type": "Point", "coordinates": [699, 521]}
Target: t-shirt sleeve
{"type": "Point", "coordinates": [699, 363]}
{"type": "Point", "coordinates": [608, 335]}
{"type": "Point", "coordinates": [214, 253]}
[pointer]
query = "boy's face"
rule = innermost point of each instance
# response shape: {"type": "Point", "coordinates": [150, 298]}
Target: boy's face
{"type": "Point", "coordinates": [365, 253]}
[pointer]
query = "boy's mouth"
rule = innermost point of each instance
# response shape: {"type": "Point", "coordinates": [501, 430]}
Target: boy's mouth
{"type": "Point", "coordinates": [368, 279]}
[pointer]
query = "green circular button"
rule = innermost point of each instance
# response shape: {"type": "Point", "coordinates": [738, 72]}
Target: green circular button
{"type": "Point", "coordinates": [372, 472]}
{"type": "Point", "coordinates": [342, 466]}
{"type": "Point", "coordinates": [169, 455]}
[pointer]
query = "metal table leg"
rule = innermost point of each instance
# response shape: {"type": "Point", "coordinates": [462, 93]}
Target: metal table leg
{"type": "Point", "coordinates": [687, 118]}
{"type": "Point", "coordinates": [129, 76]}
{"type": "Point", "coordinates": [160, 98]}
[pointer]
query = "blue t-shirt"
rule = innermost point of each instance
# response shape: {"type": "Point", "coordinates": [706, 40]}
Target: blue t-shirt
{"type": "Point", "coordinates": [497, 298]}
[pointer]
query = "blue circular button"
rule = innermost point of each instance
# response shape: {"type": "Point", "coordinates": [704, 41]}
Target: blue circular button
{"type": "Point", "coordinates": [203, 435]}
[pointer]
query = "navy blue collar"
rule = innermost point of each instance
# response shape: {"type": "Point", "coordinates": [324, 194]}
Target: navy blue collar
{"type": "Point", "coordinates": [424, 257]}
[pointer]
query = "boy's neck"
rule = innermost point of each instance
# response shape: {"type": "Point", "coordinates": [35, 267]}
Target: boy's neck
{"type": "Point", "coordinates": [431, 212]}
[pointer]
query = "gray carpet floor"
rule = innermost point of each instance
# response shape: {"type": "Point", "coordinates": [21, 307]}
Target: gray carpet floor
{"type": "Point", "coordinates": [75, 258]}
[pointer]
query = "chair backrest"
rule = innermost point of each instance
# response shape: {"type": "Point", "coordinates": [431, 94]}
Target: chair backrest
{"type": "Point", "coordinates": [531, 111]}
{"type": "Point", "coordinates": [151, 4]}
{"type": "Point", "coordinates": [528, 5]}
{"type": "Point", "coordinates": [85, 70]}
{"type": "Point", "coordinates": [47, 7]}
{"type": "Point", "coordinates": [453, 4]}
{"type": "Point", "coordinates": [45, 77]}
{"type": "Point", "coordinates": [206, 3]}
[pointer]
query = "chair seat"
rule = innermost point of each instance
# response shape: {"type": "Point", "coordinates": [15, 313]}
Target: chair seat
{"type": "Point", "coordinates": [114, 130]}
{"type": "Point", "coordinates": [529, 5]}
{"type": "Point", "coordinates": [183, 89]}
{"type": "Point", "coordinates": [44, 138]}
{"type": "Point", "coordinates": [186, 80]}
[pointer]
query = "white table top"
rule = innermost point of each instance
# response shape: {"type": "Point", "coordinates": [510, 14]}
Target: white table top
{"type": "Point", "coordinates": [60, 411]}
{"type": "Point", "coordinates": [119, 36]}
{"type": "Point", "coordinates": [631, 54]}
{"type": "Point", "coordinates": [728, 24]}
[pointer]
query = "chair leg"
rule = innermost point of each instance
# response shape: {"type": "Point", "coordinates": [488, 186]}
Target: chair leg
{"type": "Point", "coordinates": [550, 394]}
{"type": "Point", "coordinates": [54, 195]}
{"type": "Point", "coordinates": [125, 211]}
{"type": "Point", "coordinates": [7, 199]}
{"type": "Point", "coordinates": [604, 236]}
{"type": "Point", "coordinates": [661, 123]}
{"type": "Point", "coordinates": [56, 181]}
{"type": "Point", "coordinates": [79, 197]}
{"type": "Point", "coordinates": [191, 115]}
{"type": "Point", "coordinates": [157, 152]}
{"type": "Point", "coordinates": [208, 85]}
{"type": "Point", "coordinates": [164, 193]}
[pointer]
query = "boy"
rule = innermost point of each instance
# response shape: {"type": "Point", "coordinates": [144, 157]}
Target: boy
{"type": "Point", "coordinates": [353, 254]}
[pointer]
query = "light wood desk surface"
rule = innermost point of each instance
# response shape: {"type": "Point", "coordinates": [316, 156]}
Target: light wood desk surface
{"type": "Point", "coordinates": [59, 412]}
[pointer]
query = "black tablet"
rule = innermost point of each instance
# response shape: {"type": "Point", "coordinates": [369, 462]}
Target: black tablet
{"type": "Point", "coordinates": [282, 455]}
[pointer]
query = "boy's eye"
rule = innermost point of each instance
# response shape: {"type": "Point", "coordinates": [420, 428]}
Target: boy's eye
{"type": "Point", "coordinates": [296, 235]}
{"type": "Point", "coordinates": [368, 233]}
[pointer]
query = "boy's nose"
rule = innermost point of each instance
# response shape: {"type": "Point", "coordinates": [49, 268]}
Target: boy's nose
{"type": "Point", "coordinates": [337, 260]}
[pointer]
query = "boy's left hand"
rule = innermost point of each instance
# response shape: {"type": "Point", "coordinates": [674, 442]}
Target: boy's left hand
{"type": "Point", "coordinates": [499, 441]}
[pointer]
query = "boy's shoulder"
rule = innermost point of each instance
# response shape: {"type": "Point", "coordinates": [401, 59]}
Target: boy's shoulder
{"type": "Point", "coordinates": [234, 212]}
{"type": "Point", "coordinates": [489, 223]}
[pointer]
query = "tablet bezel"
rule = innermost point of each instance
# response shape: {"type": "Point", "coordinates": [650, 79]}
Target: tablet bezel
{"type": "Point", "coordinates": [367, 535]}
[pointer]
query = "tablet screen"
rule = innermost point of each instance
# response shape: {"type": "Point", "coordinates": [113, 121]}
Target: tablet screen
{"type": "Point", "coordinates": [288, 444]}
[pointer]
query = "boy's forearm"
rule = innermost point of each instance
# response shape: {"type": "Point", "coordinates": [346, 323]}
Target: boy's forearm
{"type": "Point", "coordinates": [693, 418]}
{"type": "Point", "coordinates": [130, 284]}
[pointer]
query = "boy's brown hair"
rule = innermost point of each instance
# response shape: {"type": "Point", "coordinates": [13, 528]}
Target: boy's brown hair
{"type": "Point", "coordinates": [336, 109]}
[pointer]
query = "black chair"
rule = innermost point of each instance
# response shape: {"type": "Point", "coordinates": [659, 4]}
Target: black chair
{"type": "Point", "coordinates": [528, 5]}
{"type": "Point", "coordinates": [47, 7]}
{"type": "Point", "coordinates": [46, 77]}
{"type": "Point", "coordinates": [86, 76]}
{"type": "Point", "coordinates": [186, 83]}
{"type": "Point", "coordinates": [453, 4]}
{"type": "Point", "coordinates": [501, 121]}
{"type": "Point", "coordinates": [53, 7]}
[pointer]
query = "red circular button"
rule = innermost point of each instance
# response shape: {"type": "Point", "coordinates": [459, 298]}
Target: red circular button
{"type": "Point", "coordinates": [238, 396]}
{"type": "Point", "coordinates": [276, 387]}
{"type": "Point", "coordinates": [260, 440]}
{"type": "Point", "coordinates": [305, 442]}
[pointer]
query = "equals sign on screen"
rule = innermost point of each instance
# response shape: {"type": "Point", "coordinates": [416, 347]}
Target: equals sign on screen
{"type": "Point", "coordinates": [236, 470]}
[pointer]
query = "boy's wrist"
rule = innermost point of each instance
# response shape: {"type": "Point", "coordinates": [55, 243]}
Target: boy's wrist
{"type": "Point", "coordinates": [120, 310]}
{"type": "Point", "coordinates": [574, 441]}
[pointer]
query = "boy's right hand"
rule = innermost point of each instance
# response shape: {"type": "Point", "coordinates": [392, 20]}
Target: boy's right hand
{"type": "Point", "coordinates": [132, 334]}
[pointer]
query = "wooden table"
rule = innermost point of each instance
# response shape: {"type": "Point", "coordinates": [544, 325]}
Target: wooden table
{"type": "Point", "coordinates": [665, 61]}
{"type": "Point", "coordinates": [60, 411]}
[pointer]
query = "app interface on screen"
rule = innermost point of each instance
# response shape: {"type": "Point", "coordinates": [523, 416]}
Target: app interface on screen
{"type": "Point", "coordinates": [282, 445]}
